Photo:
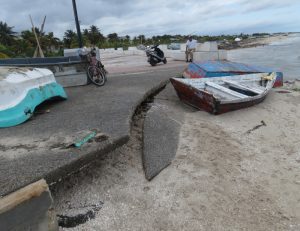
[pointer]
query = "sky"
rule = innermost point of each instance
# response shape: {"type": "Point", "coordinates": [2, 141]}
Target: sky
{"type": "Point", "coordinates": [156, 17]}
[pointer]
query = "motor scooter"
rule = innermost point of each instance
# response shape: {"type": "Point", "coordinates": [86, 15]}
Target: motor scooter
{"type": "Point", "coordinates": [155, 55]}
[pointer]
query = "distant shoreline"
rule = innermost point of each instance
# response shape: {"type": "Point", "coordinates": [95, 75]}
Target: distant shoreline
{"type": "Point", "coordinates": [252, 42]}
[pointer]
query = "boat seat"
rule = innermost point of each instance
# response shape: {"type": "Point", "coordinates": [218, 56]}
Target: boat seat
{"type": "Point", "coordinates": [226, 90]}
{"type": "Point", "coordinates": [243, 87]}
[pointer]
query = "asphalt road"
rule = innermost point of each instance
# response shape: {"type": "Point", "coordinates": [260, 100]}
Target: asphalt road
{"type": "Point", "coordinates": [38, 148]}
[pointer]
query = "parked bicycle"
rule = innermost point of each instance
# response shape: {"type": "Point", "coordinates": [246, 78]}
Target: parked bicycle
{"type": "Point", "coordinates": [95, 70]}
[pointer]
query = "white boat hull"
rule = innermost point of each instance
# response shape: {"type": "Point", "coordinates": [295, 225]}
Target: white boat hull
{"type": "Point", "coordinates": [22, 89]}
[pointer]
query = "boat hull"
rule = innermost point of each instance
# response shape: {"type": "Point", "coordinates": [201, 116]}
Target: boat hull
{"type": "Point", "coordinates": [210, 69]}
{"type": "Point", "coordinates": [22, 91]}
{"type": "Point", "coordinates": [205, 101]}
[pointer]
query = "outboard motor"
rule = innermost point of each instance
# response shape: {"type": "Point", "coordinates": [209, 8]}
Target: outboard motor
{"type": "Point", "coordinates": [155, 55]}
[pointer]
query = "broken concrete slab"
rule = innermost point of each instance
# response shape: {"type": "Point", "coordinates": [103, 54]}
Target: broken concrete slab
{"type": "Point", "coordinates": [161, 133]}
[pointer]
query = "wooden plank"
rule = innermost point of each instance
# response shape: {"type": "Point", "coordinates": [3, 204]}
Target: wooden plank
{"type": "Point", "coordinates": [243, 87]}
{"type": "Point", "coordinates": [24, 194]}
{"type": "Point", "coordinates": [37, 40]}
{"type": "Point", "coordinates": [226, 90]}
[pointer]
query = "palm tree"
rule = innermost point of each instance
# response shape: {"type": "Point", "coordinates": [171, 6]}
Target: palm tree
{"type": "Point", "coordinates": [4, 52]}
{"type": "Point", "coordinates": [28, 36]}
{"type": "Point", "coordinates": [51, 41]}
{"type": "Point", "coordinates": [7, 35]}
{"type": "Point", "coordinates": [113, 39]}
{"type": "Point", "coordinates": [141, 38]}
{"type": "Point", "coordinates": [94, 35]}
{"type": "Point", "coordinates": [69, 38]}
{"type": "Point", "coordinates": [23, 48]}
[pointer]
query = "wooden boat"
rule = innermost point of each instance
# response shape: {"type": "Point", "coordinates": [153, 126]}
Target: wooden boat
{"type": "Point", "coordinates": [22, 89]}
{"type": "Point", "coordinates": [219, 68]}
{"type": "Point", "coordinates": [223, 94]}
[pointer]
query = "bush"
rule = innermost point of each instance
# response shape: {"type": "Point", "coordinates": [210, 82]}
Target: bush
{"type": "Point", "coordinates": [3, 56]}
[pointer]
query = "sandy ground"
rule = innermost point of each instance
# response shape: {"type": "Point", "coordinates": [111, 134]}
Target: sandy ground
{"type": "Point", "coordinates": [236, 171]}
{"type": "Point", "coordinates": [229, 174]}
{"type": "Point", "coordinates": [265, 40]}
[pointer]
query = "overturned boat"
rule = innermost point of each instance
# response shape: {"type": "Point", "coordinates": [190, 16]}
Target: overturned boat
{"type": "Point", "coordinates": [22, 89]}
{"type": "Point", "coordinates": [219, 68]}
{"type": "Point", "coordinates": [223, 94]}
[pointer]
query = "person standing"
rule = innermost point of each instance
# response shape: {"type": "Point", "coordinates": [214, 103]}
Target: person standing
{"type": "Point", "coordinates": [190, 49]}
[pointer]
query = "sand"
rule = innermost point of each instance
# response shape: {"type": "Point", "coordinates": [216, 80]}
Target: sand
{"type": "Point", "coordinates": [236, 171]}
{"type": "Point", "coordinates": [253, 42]}
{"type": "Point", "coordinates": [230, 172]}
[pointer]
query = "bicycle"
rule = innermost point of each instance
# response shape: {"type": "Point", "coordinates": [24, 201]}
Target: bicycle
{"type": "Point", "coordinates": [95, 70]}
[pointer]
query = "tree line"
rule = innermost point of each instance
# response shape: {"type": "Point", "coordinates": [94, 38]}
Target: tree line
{"type": "Point", "coordinates": [23, 44]}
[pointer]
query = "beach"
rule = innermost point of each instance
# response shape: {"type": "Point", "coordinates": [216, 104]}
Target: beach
{"type": "Point", "coordinates": [235, 171]}
{"type": "Point", "coordinates": [226, 175]}
{"type": "Point", "coordinates": [253, 42]}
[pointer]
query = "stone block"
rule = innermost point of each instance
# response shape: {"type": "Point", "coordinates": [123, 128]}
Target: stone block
{"type": "Point", "coordinates": [182, 46]}
{"type": "Point", "coordinates": [178, 55]}
{"type": "Point", "coordinates": [132, 48]}
{"type": "Point", "coordinates": [207, 46]}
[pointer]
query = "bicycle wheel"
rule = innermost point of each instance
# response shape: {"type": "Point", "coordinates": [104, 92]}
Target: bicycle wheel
{"type": "Point", "coordinates": [96, 76]}
{"type": "Point", "coordinates": [104, 73]}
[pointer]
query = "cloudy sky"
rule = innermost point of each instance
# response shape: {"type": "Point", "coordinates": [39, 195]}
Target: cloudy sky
{"type": "Point", "coordinates": [157, 17]}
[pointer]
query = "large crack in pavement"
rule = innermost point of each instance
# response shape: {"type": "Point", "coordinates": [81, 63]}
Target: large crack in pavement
{"type": "Point", "coordinates": [77, 215]}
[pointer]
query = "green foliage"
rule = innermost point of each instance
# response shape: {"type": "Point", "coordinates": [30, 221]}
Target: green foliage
{"type": "Point", "coordinates": [6, 34]}
{"type": "Point", "coordinates": [5, 53]}
{"type": "Point", "coordinates": [25, 44]}
{"type": "Point", "coordinates": [260, 34]}
{"type": "Point", "coordinates": [3, 56]}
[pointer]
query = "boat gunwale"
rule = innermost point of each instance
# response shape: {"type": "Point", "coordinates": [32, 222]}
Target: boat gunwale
{"type": "Point", "coordinates": [216, 79]}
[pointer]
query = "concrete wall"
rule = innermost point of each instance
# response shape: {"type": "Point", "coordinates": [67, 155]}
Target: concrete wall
{"type": "Point", "coordinates": [200, 55]}
{"type": "Point", "coordinates": [78, 51]}
{"type": "Point", "coordinates": [135, 52]}
{"type": "Point", "coordinates": [204, 51]}
{"type": "Point", "coordinates": [206, 46]}
{"type": "Point", "coordinates": [182, 46]}
{"type": "Point", "coordinates": [132, 48]}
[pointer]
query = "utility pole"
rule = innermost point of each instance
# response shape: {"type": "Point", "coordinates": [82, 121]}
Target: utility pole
{"type": "Point", "coordinates": [77, 24]}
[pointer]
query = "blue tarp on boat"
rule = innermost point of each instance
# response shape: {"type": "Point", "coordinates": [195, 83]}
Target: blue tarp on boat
{"type": "Point", "coordinates": [210, 68]}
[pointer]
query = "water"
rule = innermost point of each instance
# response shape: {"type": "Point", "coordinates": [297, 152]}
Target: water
{"type": "Point", "coordinates": [282, 55]}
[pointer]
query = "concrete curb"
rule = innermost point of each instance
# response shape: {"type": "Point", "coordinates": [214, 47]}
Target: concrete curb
{"type": "Point", "coordinates": [75, 165]}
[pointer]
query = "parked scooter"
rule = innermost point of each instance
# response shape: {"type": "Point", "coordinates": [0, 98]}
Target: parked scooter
{"type": "Point", "coordinates": [155, 55]}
